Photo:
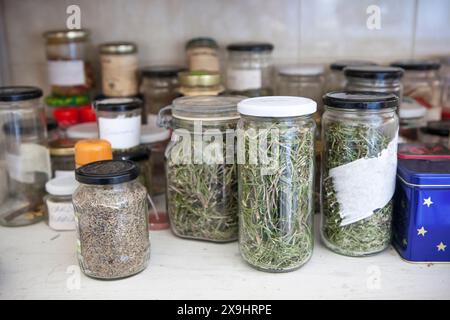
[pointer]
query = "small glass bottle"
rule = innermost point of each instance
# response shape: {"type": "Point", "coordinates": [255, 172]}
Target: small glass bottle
{"type": "Point", "coordinates": [59, 202]}
{"type": "Point", "coordinates": [62, 155]}
{"type": "Point", "coordinates": [203, 54]}
{"type": "Point", "coordinates": [336, 79]}
{"type": "Point", "coordinates": [200, 83]}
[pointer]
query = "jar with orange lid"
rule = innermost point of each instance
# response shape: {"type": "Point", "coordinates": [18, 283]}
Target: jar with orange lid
{"type": "Point", "coordinates": [91, 150]}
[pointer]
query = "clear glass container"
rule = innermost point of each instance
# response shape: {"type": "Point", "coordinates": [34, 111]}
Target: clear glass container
{"type": "Point", "coordinates": [203, 54]}
{"type": "Point", "coordinates": [435, 132]}
{"type": "Point", "coordinates": [412, 118]}
{"type": "Point", "coordinates": [249, 69]}
{"type": "Point", "coordinates": [200, 83]}
{"type": "Point", "coordinates": [24, 157]}
{"type": "Point", "coordinates": [119, 62]}
{"type": "Point", "coordinates": [119, 121]}
{"type": "Point", "coordinates": [62, 155]}
{"type": "Point", "coordinates": [111, 215]}
{"type": "Point", "coordinates": [359, 162]}
{"type": "Point", "coordinates": [69, 71]}
{"type": "Point", "coordinates": [276, 182]}
{"type": "Point", "coordinates": [201, 168]}
{"type": "Point", "coordinates": [336, 79]}
{"type": "Point", "coordinates": [142, 158]}
{"type": "Point", "coordinates": [159, 86]}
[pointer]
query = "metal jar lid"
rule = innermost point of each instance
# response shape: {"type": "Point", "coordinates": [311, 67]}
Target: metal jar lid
{"type": "Point", "coordinates": [19, 93]}
{"type": "Point", "coordinates": [66, 35]}
{"type": "Point", "coordinates": [107, 172]}
{"type": "Point", "coordinates": [199, 78]}
{"type": "Point", "coordinates": [360, 100]}
{"type": "Point", "coordinates": [118, 48]}
{"type": "Point", "coordinates": [62, 147]}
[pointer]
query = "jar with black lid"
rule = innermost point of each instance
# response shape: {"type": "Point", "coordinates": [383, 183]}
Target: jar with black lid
{"type": "Point", "coordinates": [336, 79]}
{"type": "Point", "coordinates": [203, 54]}
{"type": "Point", "coordinates": [435, 132]}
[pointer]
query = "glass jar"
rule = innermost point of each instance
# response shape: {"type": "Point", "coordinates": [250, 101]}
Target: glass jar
{"type": "Point", "coordinates": [111, 215]}
{"type": "Point", "coordinates": [69, 72]}
{"type": "Point", "coordinates": [159, 86]}
{"type": "Point", "coordinates": [119, 121]}
{"type": "Point", "coordinates": [119, 63]}
{"type": "Point", "coordinates": [200, 83]}
{"type": "Point", "coordinates": [24, 157]}
{"type": "Point", "coordinates": [201, 168]}
{"type": "Point", "coordinates": [412, 118]}
{"type": "Point", "coordinates": [203, 54]}
{"type": "Point", "coordinates": [62, 155]}
{"type": "Point", "coordinates": [276, 181]}
{"type": "Point", "coordinates": [421, 82]}
{"type": "Point", "coordinates": [435, 132]}
{"type": "Point", "coordinates": [141, 157]}
{"type": "Point", "coordinates": [58, 203]}
{"type": "Point", "coordinates": [249, 69]}
{"type": "Point", "coordinates": [375, 79]}
{"type": "Point", "coordinates": [359, 162]}
{"type": "Point", "coordinates": [336, 79]}
{"type": "Point", "coordinates": [92, 150]}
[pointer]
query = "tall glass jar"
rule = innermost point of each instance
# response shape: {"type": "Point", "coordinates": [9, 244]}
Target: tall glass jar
{"type": "Point", "coordinates": [249, 69]}
{"type": "Point", "coordinates": [335, 78]}
{"type": "Point", "coordinates": [24, 157]}
{"type": "Point", "coordinates": [421, 82]}
{"type": "Point", "coordinates": [201, 168]}
{"type": "Point", "coordinates": [111, 216]}
{"type": "Point", "coordinates": [200, 83]}
{"type": "Point", "coordinates": [69, 72]}
{"type": "Point", "coordinates": [159, 86]}
{"type": "Point", "coordinates": [119, 63]}
{"type": "Point", "coordinates": [276, 181]}
{"type": "Point", "coordinates": [359, 135]}
{"type": "Point", "coordinates": [203, 54]}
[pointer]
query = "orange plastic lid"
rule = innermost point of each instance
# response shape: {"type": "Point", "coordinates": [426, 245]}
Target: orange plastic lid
{"type": "Point", "coordinates": [91, 150]}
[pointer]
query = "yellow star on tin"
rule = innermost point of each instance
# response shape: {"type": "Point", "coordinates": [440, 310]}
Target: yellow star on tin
{"type": "Point", "coordinates": [441, 246]}
{"type": "Point", "coordinates": [421, 232]}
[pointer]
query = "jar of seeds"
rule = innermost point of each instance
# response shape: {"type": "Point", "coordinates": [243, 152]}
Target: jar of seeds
{"type": "Point", "coordinates": [111, 217]}
{"type": "Point", "coordinates": [201, 168]}
{"type": "Point", "coordinates": [276, 181]}
{"type": "Point", "coordinates": [359, 162]}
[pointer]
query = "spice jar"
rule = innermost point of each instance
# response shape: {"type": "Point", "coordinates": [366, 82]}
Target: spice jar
{"type": "Point", "coordinates": [62, 155]}
{"type": "Point", "coordinates": [421, 82]}
{"type": "Point", "coordinates": [159, 86]}
{"type": "Point", "coordinates": [119, 121]}
{"type": "Point", "coordinates": [203, 54]}
{"type": "Point", "coordinates": [336, 79]}
{"type": "Point", "coordinates": [200, 83]}
{"type": "Point", "coordinates": [92, 150]}
{"type": "Point", "coordinates": [202, 179]}
{"type": "Point", "coordinates": [142, 158]}
{"type": "Point", "coordinates": [59, 202]}
{"type": "Point", "coordinates": [249, 69]}
{"type": "Point", "coordinates": [24, 157]}
{"type": "Point", "coordinates": [69, 72]}
{"type": "Point", "coordinates": [435, 132]}
{"type": "Point", "coordinates": [359, 161]}
{"type": "Point", "coordinates": [412, 118]}
{"type": "Point", "coordinates": [276, 181]}
{"type": "Point", "coordinates": [119, 63]}
{"type": "Point", "coordinates": [111, 220]}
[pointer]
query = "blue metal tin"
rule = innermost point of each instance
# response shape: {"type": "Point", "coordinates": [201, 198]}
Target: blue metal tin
{"type": "Point", "coordinates": [422, 210]}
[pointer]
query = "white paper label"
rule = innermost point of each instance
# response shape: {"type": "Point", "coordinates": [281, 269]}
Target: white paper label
{"type": "Point", "coordinates": [66, 73]}
{"type": "Point", "coordinates": [64, 173]}
{"type": "Point", "coordinates": [122, 133]}
{"type": "Point", "coordinates": [240, 80]}
{"type": "Point", "coordinates": [366, 184]}
{"type": "Point", "coordinates": [61, 215]}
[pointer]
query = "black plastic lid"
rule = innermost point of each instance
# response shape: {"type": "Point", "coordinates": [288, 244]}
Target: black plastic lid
{"type": "Point", "coordinates": [118, 104]}
{"type": "Point", "coordinates": [341, 64]}
{"type": "Point", "coordinates": [437, 128]}
{"type": "Point", "coordinates": [202, 42]}
{"type": "Point", "coordinates": [250, 46]}
{"type": "Point", "coordinates": [107, 172]}
{"type": "Point", "coordinates": [360, 100]}
{"type": "Point", "coordinates": [137, 155]}
{"type": "Point", "coordinates": [417, 65]}
{"type": "Point", "coordinates": [162, 71]}
{"type": "Point", "coordinates": [19, 93]}
{"type": "Point", "coordinates": [374, 72]}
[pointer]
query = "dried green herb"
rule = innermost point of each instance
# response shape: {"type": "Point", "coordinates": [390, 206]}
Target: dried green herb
{"type": "Point", "coordinates": [275, 212]}
{"type": "Point", "coordinates": [344, 143]}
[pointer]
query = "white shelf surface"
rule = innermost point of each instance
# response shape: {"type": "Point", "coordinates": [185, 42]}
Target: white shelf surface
{"type": "Point", "coordinates": [39, 263]}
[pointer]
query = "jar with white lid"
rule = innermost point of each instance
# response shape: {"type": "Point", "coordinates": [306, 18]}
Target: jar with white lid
{"type": "Point", "coordinates": [412, 118]}
{"type": "Point", "coordinates": [276, 157]}
{"type": "Point", "coordinates": [119, 64]}
{"type": "Point", "coordinates": [336, 79]}
{"type": "Point", "coordinates": [58, 202]}
{"type": "Point", "coordinates": [203, 54]}
{"type": "Point", "coordinates": [249, 69]}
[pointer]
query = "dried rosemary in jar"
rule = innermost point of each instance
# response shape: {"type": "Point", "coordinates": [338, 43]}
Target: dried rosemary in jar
{"type": "Point", "coordinates": [276, 181]}
{"type": "Point", "coordinates": [359, 135]}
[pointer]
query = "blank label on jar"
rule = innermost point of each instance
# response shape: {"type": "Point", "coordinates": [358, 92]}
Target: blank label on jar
{"type": "Point", "coordinates": [239, 80]}
{"type": "Point", "coordinates": [203, 59]}
{"type": "Point", "coordinates": [119, 75]}
{"type": "Point", "coordinates": [61, 215]}
{"type": "Point", "coordinates": [122, 133]}
{"type": "Point", "coordinates": [66, 73]}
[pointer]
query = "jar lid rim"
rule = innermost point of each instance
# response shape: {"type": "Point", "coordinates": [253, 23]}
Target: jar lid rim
{"type": "Point", "coordinates": [360, 100]}
{"type": "Point", "coordinates": [417, 65]}
{"type": "Point", "coordinates": [202, 41]}
{"type": "Point", "coordinates": [250, 46]}
{"type": "Point", "coordinates": [374, 72]}
{"type": "Point", "coordinates": [107, 172]}
{"type": "Point", "coordinates": [118, 47]}
{"type": "Point", "coordinates": [206, 107]}
{"type": "Point", "coordinates": [19, 93]}
{"type": "Point", "coordinates": [341, 64]}
{"type": "Point", "coordinates": [277, 106]}
{"type": "Point", "coordinates": [66, 34]}
{"type": "Point", "coordinates": [118, 104]}
{"type": "Point", "coordinates": [62, 186]}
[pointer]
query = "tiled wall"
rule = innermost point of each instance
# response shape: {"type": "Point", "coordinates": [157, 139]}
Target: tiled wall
{"type": "Point", "coordinates": [301, 30]}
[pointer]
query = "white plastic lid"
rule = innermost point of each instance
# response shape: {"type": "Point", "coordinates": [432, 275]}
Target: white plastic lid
{"type": "Point", "coordinates": [88, 130]}
{"type": "Point", "coordinates": [277, 106]}
{"type": "Point", "coordinates": [62, 186]}
{"type": "Point", "coordinates": [301, 70]}
{"type": "Point", "coordinates": [151, 133]}
{"type": "Point", "coordinates": [410, 109]}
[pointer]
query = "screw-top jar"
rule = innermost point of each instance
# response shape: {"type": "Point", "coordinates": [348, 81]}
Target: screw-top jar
{"type": "Point", "coordinates": [359, 162]}
{"type": "Point", "coordinates": [59, 202]}
{"type": "Point", "coordinates": [24, 157]}
{"type": "Point", "coordinates": [200, 83]}
{"type": "Point", "coordinates": [249, 68]}
{"type": "Point", "coordinates": [119, 63]}
{"type": "Point", "coordinates": [276, 181]}
{"type": "Point", "coordinates": [203, 54]}
{"type": "Point", "coordinates": [111, 219]}
{"type": "Point", "coordinates": [62, 155]}
{"type": "Point", "coordinates": [201, 168]}
{"type": "Point", "coordinates": [336, 78]}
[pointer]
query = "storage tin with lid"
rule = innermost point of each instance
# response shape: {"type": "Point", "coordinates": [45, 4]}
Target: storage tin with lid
{"type": "Point", "coordinates": [58, 202]}
{"type": "Point", "coordinates": [203, 54]}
